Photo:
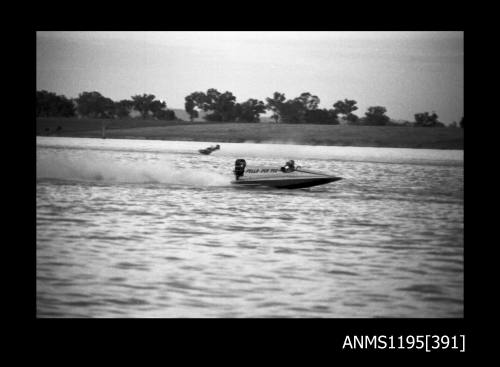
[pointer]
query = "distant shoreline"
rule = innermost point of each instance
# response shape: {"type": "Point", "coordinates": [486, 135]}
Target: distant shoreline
{"type": "Point", "coordinates": [230, 132]}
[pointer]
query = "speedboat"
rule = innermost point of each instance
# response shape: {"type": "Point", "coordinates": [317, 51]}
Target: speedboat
{"type": "Point", "coordinates": [209, 149]}
{"type": "Point", "coordinates": [287, 177]}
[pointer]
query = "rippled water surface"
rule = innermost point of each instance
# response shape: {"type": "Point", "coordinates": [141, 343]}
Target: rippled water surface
{"type": "Point", "coordinates": [137, 228]}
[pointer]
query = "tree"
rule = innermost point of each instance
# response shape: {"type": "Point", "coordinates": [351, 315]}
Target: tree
{"type": "Point", "coordinates": [200, 100]}
{"type": "Point", "coordinates": [189, 106]}
{"type": "Point", "coordinates": [376, 116]}
{"type": "Point", "coordinates": [346, 108]}
{"type": "Point", "coordinates": [333, 117]}
{"type": "Point", "coordinates": [352, 119]}
{"type": "Point", "coordinates": [462, 122]}
{"type": "Point", "coordinates": [274, 104]}
{"type": "Point", "coordinates": [165, 114]}
{"type": "Point", "coordinates": [143, 103]}
{"type": "Point", "coordinates": [212, 96]}
{"type": "Point", "coordinates": [214, 116]}
{"type": "Point", "coordinates": [93, 104]}
{"type": "Point", "coordinates": [51, 104]}
{"type": "Point", "coordinates": [250, 110]}
{"type": "Point", "coordinates": [123, 108]}
{"type": "Point", "coordinates": [147, 105]}
{"type": "Point", "coordinates": [292, 112]}
{"type": "Point", "coordinates": [298, 109]}
{"type": "Point", "coordinates": [221, 105]}
{"type": "Point", "coordinates": [309, 102]}
{"type": "Point", "coordinates": [427, 120]}
{"type": "Point", "coordinates": [321, 116]}
{"type": "Point", "coordinates": [158, 109]}
{"type": "Point", "coordinates": [195, 100]}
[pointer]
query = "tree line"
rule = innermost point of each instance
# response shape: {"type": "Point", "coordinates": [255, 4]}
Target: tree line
{"type": "Point", "coordinates": [223, 107]}
{"type": "Point", "coordinates": [95, 105]}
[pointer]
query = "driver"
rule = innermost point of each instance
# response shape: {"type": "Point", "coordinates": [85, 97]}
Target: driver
{"type": "Point", "coordinates": [289, 166]}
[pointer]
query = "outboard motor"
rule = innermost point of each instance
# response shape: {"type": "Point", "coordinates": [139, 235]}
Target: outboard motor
{"type": "Point", "coordinates": [239, 167]}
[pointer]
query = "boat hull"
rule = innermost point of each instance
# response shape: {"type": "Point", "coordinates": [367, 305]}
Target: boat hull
{"type": "Point", "coordinates": [281, 178]}
{"type": "Point", "coordinates": [286, 183]}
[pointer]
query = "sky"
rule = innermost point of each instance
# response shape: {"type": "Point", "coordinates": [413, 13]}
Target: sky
{"type": "Point", "coordinates": [406, 72]}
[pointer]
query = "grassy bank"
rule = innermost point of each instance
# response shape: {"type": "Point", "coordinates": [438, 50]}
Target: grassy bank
{"type": "Point", "coordinates": [308, 134]}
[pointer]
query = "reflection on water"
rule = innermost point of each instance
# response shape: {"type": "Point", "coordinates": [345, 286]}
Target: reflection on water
{"type": "Point", "coordinates": [129, 228]}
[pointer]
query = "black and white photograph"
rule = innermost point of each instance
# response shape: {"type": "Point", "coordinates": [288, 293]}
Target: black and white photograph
{"type": "Point", "coordinates": [250, 174]}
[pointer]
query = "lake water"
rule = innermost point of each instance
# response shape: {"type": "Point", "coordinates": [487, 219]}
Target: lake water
{"type": "Point", "coordinates": [143, 228]}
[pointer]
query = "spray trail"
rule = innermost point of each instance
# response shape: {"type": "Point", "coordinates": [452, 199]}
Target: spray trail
{"type": "Point", "coordinates": [94, 168]}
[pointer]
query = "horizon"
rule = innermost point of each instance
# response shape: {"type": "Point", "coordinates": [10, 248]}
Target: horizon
{"type": "Point", "coordinates": [406, 72]}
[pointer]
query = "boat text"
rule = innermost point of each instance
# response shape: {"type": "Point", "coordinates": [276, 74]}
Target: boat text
{"type": "Point", "coordinates": [262, 170]}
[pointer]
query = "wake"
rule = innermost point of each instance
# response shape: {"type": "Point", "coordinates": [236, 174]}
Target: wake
{"type": "Point", "coordinates": [96, 169]}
